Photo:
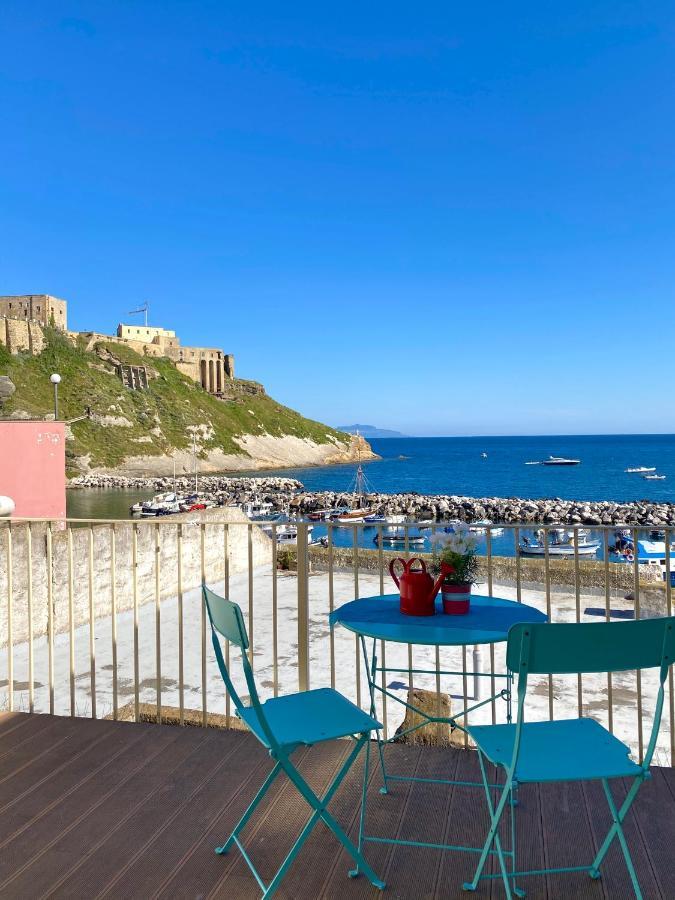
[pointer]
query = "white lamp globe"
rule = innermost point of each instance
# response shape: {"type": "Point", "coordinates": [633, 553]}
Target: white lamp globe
{"type": "Point", "coordinates": [55, 378]}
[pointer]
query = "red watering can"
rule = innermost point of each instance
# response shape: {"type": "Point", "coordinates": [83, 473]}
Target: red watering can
{"type": "Point", "coordinates": [416, 586]}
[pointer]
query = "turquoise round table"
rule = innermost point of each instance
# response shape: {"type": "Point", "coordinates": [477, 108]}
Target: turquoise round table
{"type": "Point", "coordinates": [380, 619]}
{"type": "Point", "coordinates": [487, 622]}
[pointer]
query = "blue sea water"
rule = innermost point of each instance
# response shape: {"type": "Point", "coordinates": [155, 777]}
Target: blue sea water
{"type": "Point", "coordinates": [454, 465]}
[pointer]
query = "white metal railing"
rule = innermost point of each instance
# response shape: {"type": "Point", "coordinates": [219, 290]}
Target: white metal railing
{"type": "Point", "coordinates": [101, 618]}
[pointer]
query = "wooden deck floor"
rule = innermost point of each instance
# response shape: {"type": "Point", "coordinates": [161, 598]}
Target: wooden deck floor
{"type": "Point", "coordinates": [91, 809]}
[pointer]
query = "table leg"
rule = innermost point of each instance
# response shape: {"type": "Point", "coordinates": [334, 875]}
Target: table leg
{"type": "Point", "coordinates": [371, 674]}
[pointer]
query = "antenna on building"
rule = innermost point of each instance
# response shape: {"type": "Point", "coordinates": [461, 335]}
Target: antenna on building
{"type": "Point", "coordinates": [141, 309]}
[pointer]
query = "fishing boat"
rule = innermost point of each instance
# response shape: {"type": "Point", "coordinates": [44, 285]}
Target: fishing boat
{"type": "Point", "coordinates": [640, 470]}
{"type": "Point", "coordinates": [359, 488]}
{"type": "Point", "coordinates": [560, 544]}
{"type": "Point", "coordinates": [560, 461]}
{"type": "Point", "coordinates": [654, 477]}
{"type": "Point", "coordinates": [398, 538]}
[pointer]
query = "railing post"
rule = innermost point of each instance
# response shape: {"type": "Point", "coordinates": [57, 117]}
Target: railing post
{"type": "Point", "coordinates": [303, 607]}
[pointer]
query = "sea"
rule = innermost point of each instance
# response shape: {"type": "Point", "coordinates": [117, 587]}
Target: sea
{"type": "Point", "coordinates": [470, 466]}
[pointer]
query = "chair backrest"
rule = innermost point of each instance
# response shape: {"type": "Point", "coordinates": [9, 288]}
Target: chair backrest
{"type": "Point", "coordinates": [564, 648]}
{"type": "Point", "coordinates": [226, 619]}
{"type": "Point", "coordinates": [568, 648]}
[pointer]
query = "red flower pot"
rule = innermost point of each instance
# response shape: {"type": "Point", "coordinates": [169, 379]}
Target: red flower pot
{"type": "Point", "coordinates": [456, 599]}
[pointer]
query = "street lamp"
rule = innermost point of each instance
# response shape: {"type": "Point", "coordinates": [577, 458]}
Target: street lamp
{"type": "Point", "coordinates": [56, 380]}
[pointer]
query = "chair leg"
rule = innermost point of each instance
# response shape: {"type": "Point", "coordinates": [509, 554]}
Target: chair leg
{"type": "Point", "coordinates": [251, 809]}
{"type": "Point", "coordinates": [493, 835]}
{"type": "Point", "coordinates": [353, 873]}
{"type": "Point", "coordinates": [616, 831]}
{"type": "Point", "coordinates": [320, 812]}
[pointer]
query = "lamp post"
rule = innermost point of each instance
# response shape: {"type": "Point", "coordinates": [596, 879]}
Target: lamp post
{"type": "Point", "coordinates": [56, 380]}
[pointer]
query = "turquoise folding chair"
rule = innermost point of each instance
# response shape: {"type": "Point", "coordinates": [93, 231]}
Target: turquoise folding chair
{"type": "Point", "coordinates": [570, 749]}
{"type": "Point", "coordinates": [282, 725]}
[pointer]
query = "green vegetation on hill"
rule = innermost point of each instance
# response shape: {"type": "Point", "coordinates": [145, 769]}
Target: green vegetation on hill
{"type": "Point", "coordinates": [159, 417]}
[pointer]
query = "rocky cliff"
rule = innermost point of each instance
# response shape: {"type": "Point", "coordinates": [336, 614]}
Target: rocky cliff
{"type": "Point", "coordinates": [144, 431]}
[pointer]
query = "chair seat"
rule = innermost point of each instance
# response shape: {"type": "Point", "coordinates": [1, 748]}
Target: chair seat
{"type": "Point", "coordinates": [563, 750]}
{"type": "Point", "coordinates": [309, 717]}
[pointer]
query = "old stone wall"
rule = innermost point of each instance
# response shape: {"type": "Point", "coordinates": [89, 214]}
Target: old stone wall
{"type": "Point", "coordinates": [96, 543]}
{"type": "Point", "coordinates": [17, 336]}
{"type": "Point", "coordinates": [41, 308]}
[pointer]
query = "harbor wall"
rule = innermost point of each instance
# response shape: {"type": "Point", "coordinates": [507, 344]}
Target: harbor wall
{"type": "Point", "coordinates": [91, 550]}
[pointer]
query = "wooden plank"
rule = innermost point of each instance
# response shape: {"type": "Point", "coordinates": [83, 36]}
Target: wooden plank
{"type": "Point", "coordinates": [568, 840]}
{"type": "Point", "coordinates": [529, 840]}
{"type": "Point", "coordinates": [29, 732]}
{"type": "Point", "coordinates": [220, 770]}
{"type": "Point", "coordinates": [654, 812]}
{"type": "Point", "coordinates": [41, 854]}
{"type": "Point", "coordinates": [26, 765]}
{"type": "Point", "coordinates": [172, 778]}
{"type": "Point", "coordinates": [135, 811]}
{"type": "Point", "coordinates": [414, 870]}
{"type": "Point", "coordinates": [384, 819]}
{"type": "Point", "coordinates": [468, 823]}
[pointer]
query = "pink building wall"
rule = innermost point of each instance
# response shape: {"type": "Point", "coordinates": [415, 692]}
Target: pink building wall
{"type": "Point", "coordinates": [33, 468]}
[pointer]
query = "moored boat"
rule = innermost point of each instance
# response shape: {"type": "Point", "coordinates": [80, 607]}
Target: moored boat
{"type": "Point", "coordinates": [560, 544]}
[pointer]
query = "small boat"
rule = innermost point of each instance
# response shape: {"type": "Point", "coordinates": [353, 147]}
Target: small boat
{"type": "Point", "coordinates": [482, 525]}
{"type": "Point", "coordinates": [640, 470]}
{"type": "Point", "coordinates": [560, 544]}
{"type": "Point", "coordinates": [286, 534]}
{"type": "Point", "coordinates": [375, 519]}
{"type": "Point", "coordinates": [397, 519]}
{"type": "Point", "coordinates": [398, 538]}
{"type": "Point", "coordinates": [483, 456]}
{"type": "Point", "coordinates": [353, 517]}
{"type": "Point", "coordinates": [560, 461]}
{"type": "Point", "coordinates": [533, 462]}
{"type": "Point", "coordinates": [654, 477]}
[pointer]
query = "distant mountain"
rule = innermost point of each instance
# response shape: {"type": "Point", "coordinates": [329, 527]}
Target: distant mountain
{"type": "Point", "coordinates": [370, 431]}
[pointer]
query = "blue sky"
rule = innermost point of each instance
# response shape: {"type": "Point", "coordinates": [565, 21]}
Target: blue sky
{"type": "Point", "coordinates": [444, 219]}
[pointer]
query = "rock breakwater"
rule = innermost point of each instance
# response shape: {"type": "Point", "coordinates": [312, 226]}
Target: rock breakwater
{"type": "Point", "coordinates": [288, 494]}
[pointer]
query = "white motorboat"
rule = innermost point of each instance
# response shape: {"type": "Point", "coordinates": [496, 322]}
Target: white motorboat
{"type": "Point", "coordinates": [560, 544]}
{"type": "Point", "coordinates": [285, 533]}
{"type": "Point", "coordinates": [482, 525]}
{"type": "Point", "coordinates": [397, 519]}
{"type": "Point", "coordinates": [640, 470]}
{"type": "Point", "coordinates": [560, 461]}
{"type": "Point", "coordinates": [654, 477]}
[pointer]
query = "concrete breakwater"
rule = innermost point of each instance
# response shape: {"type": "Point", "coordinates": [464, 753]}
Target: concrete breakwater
{"type": "Point", "coordinates": [287, 494]}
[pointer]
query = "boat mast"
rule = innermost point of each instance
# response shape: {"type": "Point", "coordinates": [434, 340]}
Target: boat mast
{"type": "Point", "coordinates": [360, 481]}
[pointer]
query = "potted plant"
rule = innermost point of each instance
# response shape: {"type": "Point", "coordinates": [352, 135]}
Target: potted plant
{"type": "Point", "coordinates": [455, 554]}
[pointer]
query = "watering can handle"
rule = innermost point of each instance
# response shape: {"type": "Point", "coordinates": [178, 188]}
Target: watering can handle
{"type": "Point", "coordinates": [391, 569]}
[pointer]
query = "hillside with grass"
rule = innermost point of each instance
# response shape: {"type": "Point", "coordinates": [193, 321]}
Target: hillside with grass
{"type": "Point", "coordinates": [144, 430]}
